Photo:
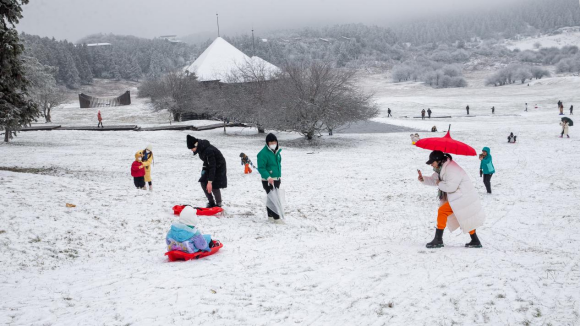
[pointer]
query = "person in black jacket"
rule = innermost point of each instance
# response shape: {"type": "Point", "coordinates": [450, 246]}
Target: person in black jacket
{"type": "Point", "coordinates": [214, 172]}
{"type": "Point", "coordinates": [429, 112]}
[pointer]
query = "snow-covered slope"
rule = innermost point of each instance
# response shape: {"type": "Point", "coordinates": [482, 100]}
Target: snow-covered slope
{"type": "Point", "coordinates": [352, 251]}
{"type": "Point", "coordinates": [568, 36]}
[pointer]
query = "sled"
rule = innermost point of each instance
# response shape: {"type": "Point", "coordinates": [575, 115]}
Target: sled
{"type": "Point", "coordinates": [199, 210]}
{"type": "Point", "coordinates": [175, 255]}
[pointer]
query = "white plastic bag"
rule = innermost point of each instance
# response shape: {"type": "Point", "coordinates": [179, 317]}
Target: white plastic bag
{"type": "Point", "coordinates": [276, 200]}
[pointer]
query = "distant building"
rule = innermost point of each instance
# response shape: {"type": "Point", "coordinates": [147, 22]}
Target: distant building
{"type": "Point", "coordinates": [98, 44]}
{"type": "Point", "coordinates": [170, 38]}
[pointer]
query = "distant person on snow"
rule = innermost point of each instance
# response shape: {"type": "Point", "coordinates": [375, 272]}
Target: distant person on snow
{"type": "Point", "coordinates": [536, 107]}
{"type": "Point", "coordinates": [389, 112]}
{"type": "Point", "coordinates": [185, 235]}
{"type": "Point", "coordinates": [467, 109]}
{"type": "Point", "coordinates": [565, 126]}
{"type": "Point", "coordinates": [486, 168]}
{"type": "Point", "coordinates": [270, 168]}
{"type": "Point", "coordinates": [512, 138]}
{"type": "Point", "coordinates": [561, 107]}
{"type": "Point", "coordinates": [429, 112]}
{"type": "Point", "coordinates": [138, 171]}
{"type": "Point", "coordinates": [434, 129]}
{"type": "Point", "coordinates": [423, 114]}
{"type": "Point", "coordinates": [147, 163]}
{"type": "Point", "coordinates": [493, 110]}
{"type": "Point", "coordinates": [526, 107]}
{"type": "Point", "coordinates": [100, 118]}
{"type": "Point", "coordinates": [571, 109]}
{"type": "Point", "coordinates": [246, 162]}
{"type": "Point", "coordinates": [458, 201]}
{"type": "Point", "coordinates": [214, 172]}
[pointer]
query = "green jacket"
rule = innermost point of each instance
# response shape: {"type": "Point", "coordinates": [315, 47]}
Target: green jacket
{"type": "Point", "coordinates": [269, 163]}
{"type": "Point", "coordinates": [486, 164]}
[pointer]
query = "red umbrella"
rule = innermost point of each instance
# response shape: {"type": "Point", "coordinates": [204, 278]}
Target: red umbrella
{"type": "Point", "coordinates": [446, 144]}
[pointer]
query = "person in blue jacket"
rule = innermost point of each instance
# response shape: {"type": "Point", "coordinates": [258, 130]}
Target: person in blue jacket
{"type": "Point", "coordinates": [486, 168]}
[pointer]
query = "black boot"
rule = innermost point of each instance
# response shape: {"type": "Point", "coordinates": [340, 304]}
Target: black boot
{"type": "Point", "coordinates": [211, 204]}
{"type": "Point", "coordinates": [474, 242]}
{"type": "Point", "coordinates": [438, 240]}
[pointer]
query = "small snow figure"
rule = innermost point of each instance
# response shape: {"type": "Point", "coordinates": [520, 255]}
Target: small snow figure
{"type": "Point", "coordinates": [565, 126]}
{"type": "Point", "coordinates": [423, 114]}
{"type": "Point", "coordinates": [415, 138]}
{"type": "Point", "coordinates": [138, 171]}
{"type": "Point", "coordinates": [429, 112]}
{"type": "Point", "coordinates": [434, 129]}
{"type": "Point", "coordinates": [185, 235]}
{"type": "Point", "coordinates": [246, 162]}
{"type": "Point", "coordinates": [100, 118]}
{"type": "Point", "coordinates": [389, 112]}
{"type": "Point", "coordinates": [486, 168]}
{"type": "Point", "coordinates": [511, 138]}
{"type": "Point", "coordinates": [458, 200]}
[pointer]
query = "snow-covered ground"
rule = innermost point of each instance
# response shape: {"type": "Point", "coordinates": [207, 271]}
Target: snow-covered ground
{"type": "Point", "coordinates": [568, 36]}
{"type": "Point", "coordinates": [352, 251]}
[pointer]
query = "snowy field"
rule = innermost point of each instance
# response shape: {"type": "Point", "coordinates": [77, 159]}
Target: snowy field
{"type": "Point", "coordinates": [352, 251]}
{"type": "Point", "coordinates": [569, 36]}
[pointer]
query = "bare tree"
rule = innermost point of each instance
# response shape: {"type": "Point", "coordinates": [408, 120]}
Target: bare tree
{"type": "Point", "coordinates": [42, 88]}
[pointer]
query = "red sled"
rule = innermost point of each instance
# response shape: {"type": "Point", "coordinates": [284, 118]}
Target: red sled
{"type": "Point", "coordinates": [200, 210]}
{"type": "Point", "coordinates": [175, 255]}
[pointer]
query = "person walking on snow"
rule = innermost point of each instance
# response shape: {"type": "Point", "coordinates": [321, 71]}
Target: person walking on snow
{"type": "Point", "coordinates": [270, 168]}
{"type": "Point", "coordinates": [100, 118]}
{"type": "Point", "coordinates": [423, 114]}
{"type": "Point", "coordinates": [147, 163]}
{"type": "Point", "coordinates": [246, 162]}
{"type": "Point", "coordinates": [486, 168]}
{"type": "Point", "coordinates": [493, 110]}
{"type": "Point", "coordinates": [459, 205]}
{"type": "Point", "coordinates": [214, 171]}
{"type": "Point", "coordinates": [138, 172]}
{"type": "Point", "coordinates": [565, 127]}
{"type": "Point", "coordinates": [571, 109]}
{"type": "Point", "coordinates": [561, 107]}
{"type": "Point", "coordinates": [429, 112]}
{"type": "Point", "coordinates": [467, 108]}
{"type": "Point", "coordinates": [389, 112]}
{"type": "Point", "coordinates": [526, 107]}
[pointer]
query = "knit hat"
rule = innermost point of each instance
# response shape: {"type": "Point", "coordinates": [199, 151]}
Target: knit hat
{"type": "Point", "coordinates": [242, 154]}
{"type": "Point", "coordinates": [271, 137]}
{"type": "Point", "coordinates": [149, 147]}
{"type": "Point", "coordinates": [191, 142]}
{"type": "Point", "coordinates": [138, 154]}
{"type": "Point", "coordinates": [188, 216]}
{"type": "Point", "coordinates": [435, 156]}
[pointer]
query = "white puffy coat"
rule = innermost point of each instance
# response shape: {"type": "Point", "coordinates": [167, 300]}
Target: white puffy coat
{"type": "Point", "coordinates": [463, 198]}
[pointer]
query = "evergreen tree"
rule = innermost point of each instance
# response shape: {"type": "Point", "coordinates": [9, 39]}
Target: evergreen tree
{"type": "Point", "coordinates": [15, 109]}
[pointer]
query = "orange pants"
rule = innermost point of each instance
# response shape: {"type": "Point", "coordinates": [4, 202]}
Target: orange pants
{"type": "Point", "coordinates": [442, 215]}
{"type": "Point", "coordinates": [247, 169]}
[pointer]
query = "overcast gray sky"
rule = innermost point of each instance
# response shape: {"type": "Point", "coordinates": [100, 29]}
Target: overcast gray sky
{"type": "Point", "coordinates": [74, 19]}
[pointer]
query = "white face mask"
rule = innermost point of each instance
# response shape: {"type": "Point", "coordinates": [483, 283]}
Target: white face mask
{"type": "Point", "coordinates": [139, 159]}
{"type": "Point", "coordinates": [273, 146]}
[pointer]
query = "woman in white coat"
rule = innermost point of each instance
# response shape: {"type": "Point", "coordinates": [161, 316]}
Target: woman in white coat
{"type": "Point", "coordinates": [459, 202]}
{"type": "Point", "coordinates": [565, 126]}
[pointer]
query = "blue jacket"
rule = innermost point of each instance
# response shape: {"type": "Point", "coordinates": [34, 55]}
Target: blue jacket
{"type": "Point", "coordinates": [486, 164]}
{"type": "Point", "coordinates": [188, 239]}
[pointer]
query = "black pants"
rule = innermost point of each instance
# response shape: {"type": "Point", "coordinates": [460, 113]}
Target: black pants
{"type": "Point", "coordinates": [100, 124]}
{"type": "Point", "coordinates": [216, 193]}
{"type": "Point", "coordinates": [268, 187]}
{"type": "Point", "coordinates": [389, 115]}
{"type": "Point", "coordinates": [486, 182]}
{"type": "Point", "coordinates": [139, 182]}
